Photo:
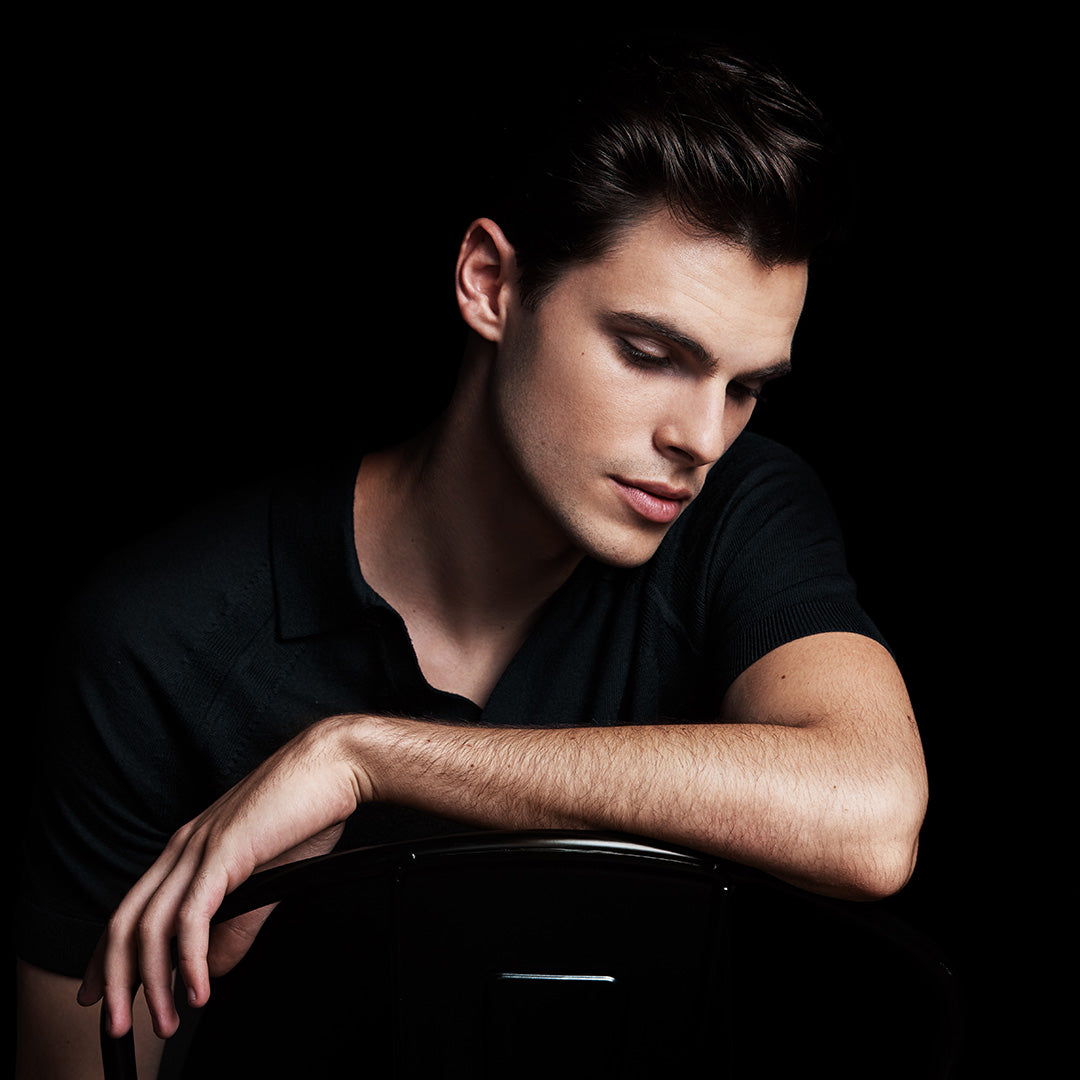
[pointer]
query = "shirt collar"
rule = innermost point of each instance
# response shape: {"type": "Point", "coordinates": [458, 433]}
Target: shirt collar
{"type": "Point", "coordinates": [318, 586]}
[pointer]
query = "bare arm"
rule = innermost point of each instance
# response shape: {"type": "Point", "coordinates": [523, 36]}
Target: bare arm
{"type": "Point", "coordinates": [814, 773]}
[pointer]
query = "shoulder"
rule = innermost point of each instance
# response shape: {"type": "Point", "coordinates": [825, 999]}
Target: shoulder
{"type": "Point", "coordinates": [762, 468]}
{"type": "Point", "coordinates": [200, 548]}
{"type": "Point", "coordinates": [180, 572]}
{"type": "Point", "coordinates": [756, 561]}
{"type": "Point", "coordinates": [759, 491]}
{"type": "Point", "coordinates": [761, 520]}
{"type": "Point", "coordinates": [265, 557]}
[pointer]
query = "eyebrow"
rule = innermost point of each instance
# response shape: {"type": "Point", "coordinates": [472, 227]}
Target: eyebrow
{"type": "Point", "coordinates": [660, 328]}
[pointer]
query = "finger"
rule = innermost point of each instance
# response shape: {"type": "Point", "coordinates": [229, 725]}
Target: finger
{"type": "Point", "coordinates": [141, 932]}
{"type": "Point", "coordinates": [154, 936]}
{"type": "Point", "coordinates": [120, 975]}
{"type": "Point", "coordinates": [93, 985]}
{"type": "Point", "coordinates": [229, 859]}
{"type": "Point", "coordinates": [113, 973]}
{"type": "Point", "coordinates": [230, 941]}
{"type": "Point", "coordinates": [119, 934]}
{"type": "Point", "coordinates": [200, 903]}
{"type": "Point", "coordinates": [181, 909]}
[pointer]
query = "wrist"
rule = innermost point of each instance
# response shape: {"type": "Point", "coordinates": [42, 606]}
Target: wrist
{"type": "Point", "coordinates": [351, 741]}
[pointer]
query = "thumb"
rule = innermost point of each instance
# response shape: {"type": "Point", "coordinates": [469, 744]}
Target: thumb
{"type": "Point", "coordinates": [230, 941]}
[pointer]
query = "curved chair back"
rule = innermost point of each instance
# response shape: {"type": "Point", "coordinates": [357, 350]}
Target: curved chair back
{"type": "Point", "coordinates": [559, 954]}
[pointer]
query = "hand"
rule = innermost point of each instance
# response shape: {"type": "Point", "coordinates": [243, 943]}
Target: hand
{"type": "Point", "coordinates": [292, 806]}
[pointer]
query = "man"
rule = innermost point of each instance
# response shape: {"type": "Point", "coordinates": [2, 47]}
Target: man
{"type": "Point", "coordinates": [583, 598]}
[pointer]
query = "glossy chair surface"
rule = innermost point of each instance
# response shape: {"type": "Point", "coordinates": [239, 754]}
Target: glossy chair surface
{"type": "Point", "coordinates": [563, 954]}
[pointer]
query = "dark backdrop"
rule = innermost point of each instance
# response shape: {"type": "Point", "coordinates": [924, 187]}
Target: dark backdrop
{"type": "Point", "coordinates": [240, 242]}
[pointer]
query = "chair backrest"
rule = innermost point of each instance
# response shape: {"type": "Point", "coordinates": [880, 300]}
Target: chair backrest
{"type": "Point", "coordinates": [547, 953]}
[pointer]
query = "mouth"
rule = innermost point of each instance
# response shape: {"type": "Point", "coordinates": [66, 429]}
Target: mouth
{"type": "Point", "coordinates": [658, 503]}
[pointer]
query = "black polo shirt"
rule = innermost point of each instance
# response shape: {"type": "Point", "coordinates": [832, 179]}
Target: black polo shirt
{"type": "Point", "coordinates": [194, 655]}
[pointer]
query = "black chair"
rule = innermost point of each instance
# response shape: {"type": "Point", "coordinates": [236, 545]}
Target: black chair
{"type": "Point", "coordinates": [558, 954]}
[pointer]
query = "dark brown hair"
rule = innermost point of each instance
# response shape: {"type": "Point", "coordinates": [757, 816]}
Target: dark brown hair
{"type": "Point", "coordinates": [727, 144]}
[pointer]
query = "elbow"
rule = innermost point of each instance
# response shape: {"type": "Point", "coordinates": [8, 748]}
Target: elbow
{"type": "Point", "coordinates": [859, 865]}
{"type": "Point", "coordinates": [874, 871]}
{"type": "Point", "coordinates": [880, 873]}
{"type": "Point", "coordinates": [880, 859]}
{"type": "Point", "coordinates": [873, 842]}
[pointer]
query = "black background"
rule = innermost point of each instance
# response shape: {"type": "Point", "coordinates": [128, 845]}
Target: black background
{"type": "Point", "coordinates": [238, 243]}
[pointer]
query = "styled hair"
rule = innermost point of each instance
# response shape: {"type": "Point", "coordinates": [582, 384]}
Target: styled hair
{"type": "Point", "coordinates": [728, 145]}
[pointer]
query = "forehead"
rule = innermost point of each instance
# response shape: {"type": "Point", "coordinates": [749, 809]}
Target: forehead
{"type": "Point", "coordinates": [713, 289]}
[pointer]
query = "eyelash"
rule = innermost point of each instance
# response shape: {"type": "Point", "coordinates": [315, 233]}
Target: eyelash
{"type": "Point", "coordinates": [641, 359]}
{"type": "Point", "coordinates": [741, 392]}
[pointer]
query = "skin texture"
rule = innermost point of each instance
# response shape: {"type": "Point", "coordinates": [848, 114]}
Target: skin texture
{"type": "Point", "coordinates": [583, 393]}
{"type": "Point", "coordinates": [584, 427]}
{"type": "Point", "coordinates": [56, 1040]}
{"type": "Point", "coordinates": [553, 408]}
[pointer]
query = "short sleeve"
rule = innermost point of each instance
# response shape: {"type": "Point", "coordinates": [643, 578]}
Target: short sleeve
{"type": "Point", "coordinates": [762, 563]}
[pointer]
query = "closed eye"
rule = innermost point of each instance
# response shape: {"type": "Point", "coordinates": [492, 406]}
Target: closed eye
{"type": "Point", "coordinates": [741, 392]}
{"type": "Point", "coordinates": [640, 357]}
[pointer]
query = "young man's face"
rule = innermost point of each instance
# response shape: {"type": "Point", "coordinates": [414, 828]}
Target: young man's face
{"type": "Point", "coordinates": [637, 371]}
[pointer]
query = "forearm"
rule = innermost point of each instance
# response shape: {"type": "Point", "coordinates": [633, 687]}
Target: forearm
{"type": "Point", "coordinates": [794, 801]}
{"type": "Point", "coordinates": [816, 775]}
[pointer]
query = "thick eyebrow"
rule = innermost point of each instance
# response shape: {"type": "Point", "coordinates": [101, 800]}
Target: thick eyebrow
{"type": "Point", "coordinates": [660, 328]}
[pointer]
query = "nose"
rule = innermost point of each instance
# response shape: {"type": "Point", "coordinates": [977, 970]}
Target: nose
{"type": "Point", "coordinates": [692, 427]}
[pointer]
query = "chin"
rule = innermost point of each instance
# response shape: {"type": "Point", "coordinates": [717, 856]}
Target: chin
{"type": "Point", "coordinates": [625, 552]}
{"type": "Point", "coordinates": [615, 539]}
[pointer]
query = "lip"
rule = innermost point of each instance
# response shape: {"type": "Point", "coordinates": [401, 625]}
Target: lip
{"type": "Point", "coordinates": [658, 503]}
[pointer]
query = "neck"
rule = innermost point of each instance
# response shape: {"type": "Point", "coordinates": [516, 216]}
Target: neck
{"type": "Point", "coordinates": [446, 526]}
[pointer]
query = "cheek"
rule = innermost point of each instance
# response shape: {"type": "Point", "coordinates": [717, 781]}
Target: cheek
{"type": "Point", "coordinates": [566, 397]}
{"type": "Point", "coordinates": [608, 415]}
{"type": "Point", "coordinates": [557, 395]}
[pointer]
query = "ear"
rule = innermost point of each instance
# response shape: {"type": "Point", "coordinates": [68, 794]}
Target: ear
{"type": "Point", "coordinates": [484, 281]}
